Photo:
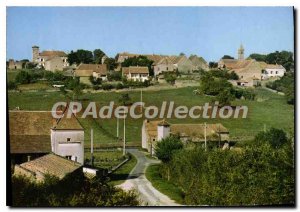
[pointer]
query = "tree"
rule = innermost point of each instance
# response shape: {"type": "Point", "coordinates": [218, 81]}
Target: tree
{"type": "Point", "coordinates": [275, 137]}
{"type": "Point", "coordinates": [225, 97]}
{"type": "Point", "coordinates": [227, 57]}
{"type": "Point", "coordinates": [95, 81]}
{"type": "Point", "coordinates": [80, 56]}
{"type": "Point", "coordinates": [111, 63]}
{"type": "Point", "coordinates": [213, 65]}
{"type": "Point", "coordinates": [97, 56]}
{"type": "Point", "coordinates": [166, 147]}
{"type": "Point", "coordinates": [170, 77]}
{"type": "Point", "coordinates": [23, 77]}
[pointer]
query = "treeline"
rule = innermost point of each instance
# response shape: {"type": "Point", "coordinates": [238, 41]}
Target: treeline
{"type": "Point", "coordinates": [91, 57]}
{"type": "Point", "coordinates": [285, 84]}
{"type": "Point", "coordinates": [259, 174]}
{"type": "Point", "coordinates": [284, 58]}
{"type": "Point", "coordinates": [70, 191]}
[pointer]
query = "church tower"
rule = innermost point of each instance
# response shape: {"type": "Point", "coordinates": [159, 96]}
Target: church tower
{"type": "Point", "coordinates": [35, 54]}
{"type": "Point", "coordinates": [241, 53]}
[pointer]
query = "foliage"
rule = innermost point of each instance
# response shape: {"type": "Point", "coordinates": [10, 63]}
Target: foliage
{"type": "Point", "coordinates": [11, 85]}
{"type": "Point", "coordinates": [114, 76]}
{"type": "Point", "coordinates": [165, 148]}
{"type": "Point", "coordinates": [139, 61]}
{"type": "Point", "coordinates": [212, 65]}
{"type": "Point", "coordinates": [285, 84]}
{"type": "Point", "coordinates": [71, 191]}
{"type": "Point", "coordinates": [80, 56]}
{"type": "Point", "coordinates": [223, 74]}
{"type": "Point", "coordinates": [227, 57]}
{"type": "Point", "coordinates": [170, 77]}
{"type": "Point", "coordinates": [23, 77]}
{"type": "Point", "coordinates": [255, 175]}
{"type": "Point", "coordinates": [97, 56]}
{"type": "Point", "coordinates": [210, 85]}
{"type": "Point", "coordinates": [107, 86]}
{"type": "Point", "coordinates": [225, 97]}
{"type": "Point", "coordinates": [275, 137]}
{"type": "Point", "coordinates": [95, 81]}
{"type": "Point", "coordinates": [283, 58]}
{"type": "Point", "coordinates": [111, 63]}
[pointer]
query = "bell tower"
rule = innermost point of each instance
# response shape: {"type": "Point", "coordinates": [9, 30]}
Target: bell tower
{"type": "Point", "coordinates": [35, 54]}
{"type": "Point", "coordinates": [241, 52]}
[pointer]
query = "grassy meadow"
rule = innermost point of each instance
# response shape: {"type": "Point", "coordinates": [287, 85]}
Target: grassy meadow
{"type": "Point", "coordinates": [269, 109]}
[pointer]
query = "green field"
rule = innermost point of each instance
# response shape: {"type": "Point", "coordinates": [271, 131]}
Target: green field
{"type": "Point", "coordinates": [270, 109]}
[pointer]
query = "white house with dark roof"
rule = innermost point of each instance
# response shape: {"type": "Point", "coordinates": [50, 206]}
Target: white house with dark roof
{"type": "Point", "coordinates": [136, 73]}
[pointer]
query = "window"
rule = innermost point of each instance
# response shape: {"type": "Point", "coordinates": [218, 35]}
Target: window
{"type": "Point", "coordinates": [153, 139]}
{"type": "Point", "coordinates": [69, 157]}
{"type": "Point", "coordinates": [68, 139]}
{"type": "Point", "coordinates": [167, 68]}
{"type": "Point", "coordinates": [271, 72]}
{"type": "Point", "coordinates": [276, 72]}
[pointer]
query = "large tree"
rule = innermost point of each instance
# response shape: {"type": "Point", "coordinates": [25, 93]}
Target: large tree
{"type": "Point", "coordinates": [98, 54]}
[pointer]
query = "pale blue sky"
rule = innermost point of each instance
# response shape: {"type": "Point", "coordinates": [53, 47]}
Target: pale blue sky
{"type": "Point", "coordinates": [210, 32]}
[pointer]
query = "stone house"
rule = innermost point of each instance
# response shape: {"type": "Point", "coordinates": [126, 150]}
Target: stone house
{"type": "Point", "coordinates": [154, 131]}
{"type": "Point", "coordinates": [199, 62]}
{"type": "Point", "coordinates": [136, 73]}
{"type": "Point", "coordinates": [164, 65]}
{"type": "Point", "coordinates": [33, 134]}
{"type": "Point", "coordinates": [49, 59]}
{"type": "Point", "coordinates": [84, 71]}
{"type": "Point", "coordinates": [50, 164]}
{"type": "Point", "coordinates": [183, 64]}
{"type": "Point", "coordinates": [12, 64]}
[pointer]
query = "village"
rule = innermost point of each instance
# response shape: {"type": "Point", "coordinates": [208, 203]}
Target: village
{"type": "Point", "coordinates": [41, 144]}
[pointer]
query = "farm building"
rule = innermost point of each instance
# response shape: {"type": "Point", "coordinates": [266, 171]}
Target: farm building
{"type": "Point", "coordinates": [84, 71]}
{"type": "Point", "coordinates": [154, 131]}
{"type": "Point", "coordinates": [50, 164]}
{"type": "Point", "coordinates": [35, 133]}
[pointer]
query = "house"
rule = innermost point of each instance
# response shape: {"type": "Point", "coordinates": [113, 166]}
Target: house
{"type": "Point", "coordinates": [272, 70]}
{"type": "Point", "coordinates": [164, 65]}
{"type": "Point", "coordinates": [51, 60]}
{"type": "Point", "coordinates": [84, 71]}
{"type": "Point", "coordinates": [50, 164]}
{"type": "Point", "coordinates": [183, 64]}
{"type": "Point", "coordinates": [198, 62]}
{"type": "Point", "coordinates": [121, 57]}
{"type": "Point", "coordinates": [136, 73]}
{"type": "Point", "coordinates": [12, 64]}
{"type": "Point", "coordinates": [33, 134]}
{"type": "Point", "coordinates": [154, 131]}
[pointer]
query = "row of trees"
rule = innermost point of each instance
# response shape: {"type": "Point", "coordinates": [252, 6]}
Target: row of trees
{"type": "Point", "coordinates": [259, 174]}
{"type": "Point", "coordinates": [70, 191]}
{"type": "Point", "coordinates": [284, 58]}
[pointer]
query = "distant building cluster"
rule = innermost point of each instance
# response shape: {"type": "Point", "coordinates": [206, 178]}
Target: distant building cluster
{"type": "Point", "coordinates": [250, 71]}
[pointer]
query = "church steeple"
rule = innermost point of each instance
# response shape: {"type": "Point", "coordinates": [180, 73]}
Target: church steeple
{"type": "Point", "coordinates": [241, 53]}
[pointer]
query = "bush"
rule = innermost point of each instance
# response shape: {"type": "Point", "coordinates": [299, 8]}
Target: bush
{"type": "Point", "coordinates": [275, 137]}
{"type": "Point", "coordinates": [23, 77]}
{"type": "Point", "coordinates": [11, 85]}
{"type": "Point", "coordinates": [119, 86]}
{"type": "Point", "coordinates": [107, 86]}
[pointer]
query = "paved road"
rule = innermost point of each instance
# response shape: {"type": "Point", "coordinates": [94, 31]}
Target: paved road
{"type": "Point", "coordinates": [138, 181]}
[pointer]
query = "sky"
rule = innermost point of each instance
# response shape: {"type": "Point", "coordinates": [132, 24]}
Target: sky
{"type": "Point", "coordinates": [210, 32]}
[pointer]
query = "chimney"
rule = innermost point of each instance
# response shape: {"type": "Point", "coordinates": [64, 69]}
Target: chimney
{"type": "Point", "coordinates": [163, 130]}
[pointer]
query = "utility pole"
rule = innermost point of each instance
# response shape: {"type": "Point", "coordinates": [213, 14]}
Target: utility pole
{"type": "Point", "coordinates": [141, 100]}
{"type": "Point", "coordinates": [92, 147]}
{"type": "Point", "coordinates": [118, 128]}
{"type": "Point", "coordinates": [205, 135]}
{"type": "Point", "coordinates": [124, 151]}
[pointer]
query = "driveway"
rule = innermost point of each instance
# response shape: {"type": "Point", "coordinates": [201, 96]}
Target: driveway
{"type": "Point", "coordinates": [138, 181]}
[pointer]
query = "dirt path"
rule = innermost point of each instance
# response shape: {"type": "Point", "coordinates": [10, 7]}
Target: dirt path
{"type": "Point", "coordinates": [138, 181]}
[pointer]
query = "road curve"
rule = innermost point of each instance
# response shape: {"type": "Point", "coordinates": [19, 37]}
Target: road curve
{"type": "Point", "coordinates": [138, 181]}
